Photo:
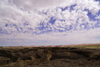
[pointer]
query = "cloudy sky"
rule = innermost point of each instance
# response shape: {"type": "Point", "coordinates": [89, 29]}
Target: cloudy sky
{"type": "Point", "coordinates": [49, 22]}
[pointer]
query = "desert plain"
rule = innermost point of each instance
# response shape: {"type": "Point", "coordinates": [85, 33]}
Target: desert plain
{"type": "Point", "coordinates": [84, 55]}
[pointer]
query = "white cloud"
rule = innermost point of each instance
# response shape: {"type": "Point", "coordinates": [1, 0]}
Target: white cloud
{"type": "Point", "coordinates": [92, 5]}
{"type": "Point", "coordinates": [73, 37]}
{"type": "Point", "coordinates": [98, 17]}
{"type": "Point", "coordinates": [37, 4]}
{"type": "Point", "coordinates": [26, 15]}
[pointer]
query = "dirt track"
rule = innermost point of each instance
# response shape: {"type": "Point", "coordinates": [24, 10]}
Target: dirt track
{"type": "Point", "coordinates": [50, 57]}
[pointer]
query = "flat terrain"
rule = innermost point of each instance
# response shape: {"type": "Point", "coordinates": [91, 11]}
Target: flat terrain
{"type": "Point", "coordinates": [62, 56]}
{"type": "Point", "coordinates": [91, 46]}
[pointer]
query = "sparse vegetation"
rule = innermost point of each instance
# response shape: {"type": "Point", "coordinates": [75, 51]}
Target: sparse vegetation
{"type": "Point", "coordinates": [1, 47]}
{"type": "Point", "coordinates": [92, 46]}
{"type": "Point", "coordinates": [67, 56]}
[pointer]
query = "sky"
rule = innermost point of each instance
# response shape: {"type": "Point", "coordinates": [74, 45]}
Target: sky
{"type": "Point", "coordinates": [49, 22]}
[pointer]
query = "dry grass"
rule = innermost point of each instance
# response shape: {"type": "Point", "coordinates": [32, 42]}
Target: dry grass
{"type": "Point", "coordinates": [95, 46]}
{"type": "Point", "coordinates": [15, 47]}
{"type": "Point", "coordinates": [92, 46]}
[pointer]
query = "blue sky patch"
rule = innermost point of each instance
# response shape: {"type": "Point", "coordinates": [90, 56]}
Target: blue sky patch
{"type": "Point", "coordinates": [97, 24]}
{"type": "Point", "coordinates": [6, 25]}
{"type": "Point", "coordinates": [16, 27]}
{"type": "Point", "coordinates": [52, 20]}
{"type": "Point", "coordinates": [63, 9]}
{"type": "Point", "coordinates": [72, 7]}
{"type": "Point", "coordinates": [30, 29]}
{"type": "Point", "coordinates": [26, 23]}
{"type": "Point", "coordinates": [3, 31]}
{"type": "Point", "coordinates": [91, 16]}
{"type": "Point", "coordinates": [97, 0]}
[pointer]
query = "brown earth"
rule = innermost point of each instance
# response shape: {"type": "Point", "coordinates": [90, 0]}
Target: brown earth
{"type": "Point", "coordinates": [50, 57]}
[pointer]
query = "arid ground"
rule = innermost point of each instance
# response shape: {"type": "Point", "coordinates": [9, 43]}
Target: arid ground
{"type": "Point", "coordinates": [62, 56]}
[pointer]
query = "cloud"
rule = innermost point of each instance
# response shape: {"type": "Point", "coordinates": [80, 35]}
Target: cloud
{"type": "Point", "coordinates": [37, 4]}
{"type": "Point", "coordinates": [61, 21]}
{"type": "Point", "coordinates": [73, 37]}
{"type": "Point", "coordinates": [92, 5]}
